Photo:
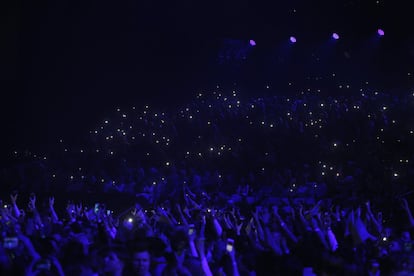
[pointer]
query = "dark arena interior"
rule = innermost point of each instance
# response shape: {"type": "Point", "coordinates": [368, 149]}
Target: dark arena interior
{"type": "Point", "coordinates": [206, 138]}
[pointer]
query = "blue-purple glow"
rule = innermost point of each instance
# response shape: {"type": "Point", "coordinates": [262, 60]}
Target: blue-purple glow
{"type": "Point", "coordinates": [252, 42]}
{"type": "Point", "coordinates": [380, 32]}
{"type": "Point", "coordinates": [335, 36]}
{"type": "Point", "coordinates": [293, 39]}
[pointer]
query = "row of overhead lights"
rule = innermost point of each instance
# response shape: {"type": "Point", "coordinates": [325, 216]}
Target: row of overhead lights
{"type": "Point", "coordinates": [335, 36]}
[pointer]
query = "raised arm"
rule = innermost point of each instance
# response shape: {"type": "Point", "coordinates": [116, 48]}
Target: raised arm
{"type": "Point", "coordinates": [259, 227]}
{"type": "Point", "coordinates": [28, 245]}
{"type": "Point", "coordinates": [373, 219]}
{"type": "Point", "coordinates": [53, 214]}
{"type": "Point", "coordinates": [191, 239]}
{"type": "Point", "coordinates": [407, 210]}
{"type": "Point", "coordinates": [16, 211]}
{"type": "Point", "coordinates": [216, 223]}
{"type": "Point", "coordinates": [320, 234]}
{"type": "Point", "coordinates": [182, 218]}
{"type": "Point", "coordinates": [32, 207]}
{"type": "Point", "coordinates": [202, 254]}
{"type": "Point", "coordinates": [283, 225]}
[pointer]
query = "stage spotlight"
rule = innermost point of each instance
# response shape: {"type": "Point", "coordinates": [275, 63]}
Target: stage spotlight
{"type": "Point", "coordinates": [380, 32]}
{"type": "Point", "coordinates": [252, 42]}
{"type": "Point", "coordinates": [335, 36]}
{"type": "Point", "coordinates": [293, 39]}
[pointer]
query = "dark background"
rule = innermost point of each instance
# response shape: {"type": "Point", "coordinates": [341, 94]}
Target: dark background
{"type": "Point", "coordinates": [66, 64]}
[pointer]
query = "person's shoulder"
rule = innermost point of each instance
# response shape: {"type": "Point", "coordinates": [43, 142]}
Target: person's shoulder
{"type": "Point", "coordinates": [404, 273]}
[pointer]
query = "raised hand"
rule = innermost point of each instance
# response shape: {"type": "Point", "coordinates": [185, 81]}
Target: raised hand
{"type": "Point", "coordinates": [292, 212]}
{"type": "Point", "coordinates": [164, 238]}
{"type": "Point", "coordinates": [249, 226]}
{"type": "Point", "coordinates": [227, 221]}
{"type": "Point", "coordinates": [55, 217]}
{"type": "Point", "coordinates": [233, 212]}
{"type": "Point", "coordinates": [265, 217]}
{"type": "Point", "coordinates": [79, 208]}
{"type": "Point", "coordinates": [51, 201]}
{"type": "Point", "coordinates": [134, 211]}
{"type": "Point", "coordinates": [189, 192]}
{"type": "Point", "coordinates": [200, 245]}
{"type": "Point", "coordinates": [32, 202]}
{"type": "Point", "coordinates": [315, 210]}
{"type": "Point", "coordinates": [256, 212]}
{"type": "Point", "coordinates": [191, 233]}
{"type": "Point", "coordinates": [239, 227]}
{"type": "Point", "coordinates": [187, 212]}
{"type": "Point", "coordinates": [300, 210]}
{"type": "Point", "coordinates": [213, 212]}
{"type": "Point", "coordinates": [15, 209]}
{"type": "Point", "coordinates": [70, 209]}
{"type": "Point", "coordinates": [314, 223]}
{"type": "Point", "coordinates": [337, 212]}
{"type": "Point", "coordinates": [327, 221]}
{"type": "Point", "coordinates": [13, 198]}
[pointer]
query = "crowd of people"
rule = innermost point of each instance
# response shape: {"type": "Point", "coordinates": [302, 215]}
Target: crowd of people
{"type": "Point", "coordinates": [202, 237]}
{"type": "Point", "coordinates": [307, 183]}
